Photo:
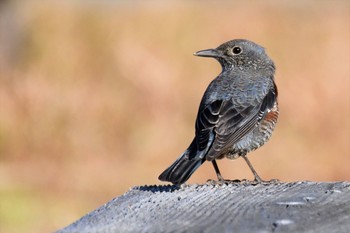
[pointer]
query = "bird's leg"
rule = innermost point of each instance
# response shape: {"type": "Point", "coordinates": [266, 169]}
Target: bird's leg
{"type": "Point", "coordinates": [256, 176]}
{"type": "Point", "coordinates": [220, 178]}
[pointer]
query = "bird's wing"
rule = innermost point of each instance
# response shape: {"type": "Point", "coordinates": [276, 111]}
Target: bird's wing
{"type": "Point", "coordinates": [222, 123]}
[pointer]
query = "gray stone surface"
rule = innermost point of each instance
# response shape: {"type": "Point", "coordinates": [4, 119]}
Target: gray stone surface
{"type": "Point", "coordinates": [235, 207]}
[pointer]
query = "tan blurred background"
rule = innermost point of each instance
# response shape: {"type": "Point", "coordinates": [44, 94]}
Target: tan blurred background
{"type": "Point", "coordinates": [100, 96]}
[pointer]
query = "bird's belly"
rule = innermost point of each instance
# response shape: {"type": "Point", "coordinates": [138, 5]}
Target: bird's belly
{"type": "Point", "coordinates": [256, 138]}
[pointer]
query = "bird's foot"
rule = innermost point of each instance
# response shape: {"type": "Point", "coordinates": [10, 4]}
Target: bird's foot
{"type": "Point", "coordinates": [243, 181]}
{"type": "Point", "coordinates": [265, 182]}
{"type": "Point", "coordinates": [274, 181]}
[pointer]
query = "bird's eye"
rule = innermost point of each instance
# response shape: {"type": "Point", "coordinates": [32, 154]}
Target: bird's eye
{"type": "Point", "coordinates": [236, 50]}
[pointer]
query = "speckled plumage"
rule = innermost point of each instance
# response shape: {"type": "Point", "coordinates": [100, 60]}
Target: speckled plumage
{"type": "Point", "coordinates": [238, 111]}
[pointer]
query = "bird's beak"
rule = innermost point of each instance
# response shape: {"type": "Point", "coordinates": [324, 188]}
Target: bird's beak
{"type": "Point", "coordinates": [208, 53]}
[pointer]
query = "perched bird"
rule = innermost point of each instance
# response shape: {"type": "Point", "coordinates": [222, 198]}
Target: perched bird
{"type": "Point", "coordinates": [238, 111]}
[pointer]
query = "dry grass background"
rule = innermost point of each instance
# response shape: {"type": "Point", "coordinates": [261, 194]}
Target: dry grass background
{"type": "Point", "coordinates": [96, 97]}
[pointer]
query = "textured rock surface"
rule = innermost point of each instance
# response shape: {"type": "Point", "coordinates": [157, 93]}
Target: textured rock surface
{"type": "Point", "coordinates": [236, 207]}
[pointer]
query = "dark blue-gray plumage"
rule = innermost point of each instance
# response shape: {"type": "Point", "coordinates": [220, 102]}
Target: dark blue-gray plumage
{"type": "Point", "coordinates": [238, 111]}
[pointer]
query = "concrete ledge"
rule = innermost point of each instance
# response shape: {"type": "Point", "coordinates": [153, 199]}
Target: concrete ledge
{"type": "Point", "coordinates": [236, 207]}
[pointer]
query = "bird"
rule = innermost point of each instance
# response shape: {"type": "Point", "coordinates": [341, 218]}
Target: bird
{"type": "Point", "coordinates": [237, 114]}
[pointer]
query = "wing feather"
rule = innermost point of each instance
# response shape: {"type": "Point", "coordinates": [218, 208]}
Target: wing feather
{"type": "Point", "coordinates": [228, 123]}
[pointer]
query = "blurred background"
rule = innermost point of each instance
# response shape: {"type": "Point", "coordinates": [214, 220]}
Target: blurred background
{"type": "Point", "coordinates": [100, 96]}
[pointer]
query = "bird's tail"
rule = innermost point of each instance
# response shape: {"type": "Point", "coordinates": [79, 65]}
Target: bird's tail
{"type": "Point", "coordinates": [181, 170]}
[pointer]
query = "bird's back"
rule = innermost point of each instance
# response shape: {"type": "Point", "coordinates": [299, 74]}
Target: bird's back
{"type": "Point", "coordinates": [245, 102]}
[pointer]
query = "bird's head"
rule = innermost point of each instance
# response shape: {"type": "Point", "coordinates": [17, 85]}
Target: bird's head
{"type": "Point", "coordinates": [239, 54]}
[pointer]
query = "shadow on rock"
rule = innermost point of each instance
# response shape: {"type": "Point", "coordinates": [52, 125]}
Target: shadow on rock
{"type": "Point", "coordinates": [157, 188]}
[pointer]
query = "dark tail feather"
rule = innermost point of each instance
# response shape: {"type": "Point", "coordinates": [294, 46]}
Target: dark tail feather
{"type": "Point", "coordinates": [181, 170]}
